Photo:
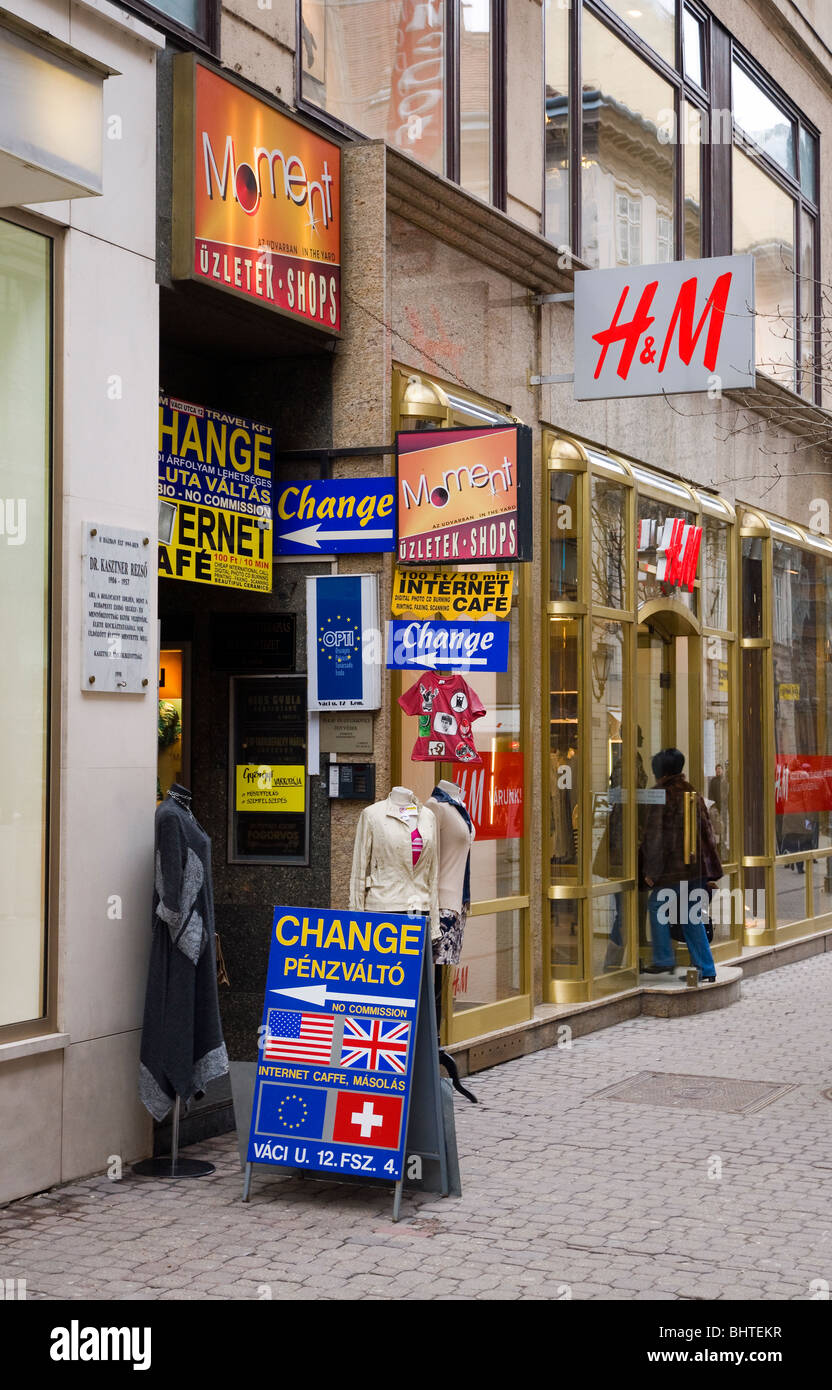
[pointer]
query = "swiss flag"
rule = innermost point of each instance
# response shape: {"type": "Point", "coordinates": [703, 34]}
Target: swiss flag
{"type": "Point", "coordinates": [372, 1121]}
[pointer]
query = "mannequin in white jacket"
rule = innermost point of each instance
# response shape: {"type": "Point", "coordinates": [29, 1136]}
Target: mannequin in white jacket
{"type": "Point", "coordinates": [395, 864]}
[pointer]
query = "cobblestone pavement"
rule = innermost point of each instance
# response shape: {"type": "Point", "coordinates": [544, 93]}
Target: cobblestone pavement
{"type": "Point", "coordinates": [567, 1193]}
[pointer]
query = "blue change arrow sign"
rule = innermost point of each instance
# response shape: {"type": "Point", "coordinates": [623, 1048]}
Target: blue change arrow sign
{"type": "Point", "coordinates": [431, 646]}
{"type": "Point", "coordinates": [335, 516]}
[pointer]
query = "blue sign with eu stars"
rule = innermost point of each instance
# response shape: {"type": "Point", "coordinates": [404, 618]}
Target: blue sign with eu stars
{"type": "Point", "coordinates": [337, 1042]}
{"type": "Point", "coordinates": [335, 516]}
{"type": "Point", "coordinates": [343, 670]}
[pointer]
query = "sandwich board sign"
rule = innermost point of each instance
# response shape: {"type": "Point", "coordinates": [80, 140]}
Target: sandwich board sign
{"type": "Point", "coordinates": [337, 1045]}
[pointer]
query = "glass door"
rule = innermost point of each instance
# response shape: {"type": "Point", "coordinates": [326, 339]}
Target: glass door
{"type": "Point", "coordinates": [667, 715]}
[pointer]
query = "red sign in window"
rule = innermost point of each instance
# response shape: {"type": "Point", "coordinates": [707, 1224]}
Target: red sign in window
{"type": "Point", "coordinates": [802, 782]}
{"type": "Point", "coordinates": [494, 795]}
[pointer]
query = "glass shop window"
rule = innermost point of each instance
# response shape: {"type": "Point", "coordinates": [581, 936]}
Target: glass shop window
{"type": "Point", "coordinates": [25, 487]}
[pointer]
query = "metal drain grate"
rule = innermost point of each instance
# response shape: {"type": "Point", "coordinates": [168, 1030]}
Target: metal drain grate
{"type": "Point", "coordinates": [719, 1093]}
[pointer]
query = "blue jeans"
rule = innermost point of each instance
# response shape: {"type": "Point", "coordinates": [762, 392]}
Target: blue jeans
{"type": "Point", "coordinates": [660, 910]}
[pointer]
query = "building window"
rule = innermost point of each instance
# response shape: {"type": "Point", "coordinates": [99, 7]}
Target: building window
{"type": "Point", "coordinates": [197, 21]}
{"type": "Point", "coordinates": [25, 487]}
{"type": "Point", "coordinates": [622, 97]}
{"type": "Point", "coordinates": [693, 47]}
{"type": "Point", "coordinates": [686, 124]}
{"type": "Point", "coordinates": [627, 229]}
{"type": "Point", "coordinates": [764, 227]}
{"type": "Point", "coordinates": [654, 21]}
{"type": "Point", "coordinates": [421, 75]}
{"type": "Point", "coordinates": [775, 159]}
{"type": "Point", "coordinates": [664, 237]}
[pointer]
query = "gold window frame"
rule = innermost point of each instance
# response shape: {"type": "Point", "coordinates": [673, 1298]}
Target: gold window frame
{"type": "Point", "coordinates": [418, 396]}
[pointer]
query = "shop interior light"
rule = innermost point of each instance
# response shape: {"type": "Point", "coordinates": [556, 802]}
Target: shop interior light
{"type": "Point", "coordinates": [602, 658]}
{"type": "Point", "coordinates": [423, 400]}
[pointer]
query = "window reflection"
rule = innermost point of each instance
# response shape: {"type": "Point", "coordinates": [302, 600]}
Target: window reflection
{"type": "Point", "coordinates": [565, 939]}
{"type": "Point", "coordinates": [627, 171]}
{"type": "Point", "coordinates": [801, 626]}
{"type": "Point", "coordinates": [475, 97]}
{"type": "Point", "coordinates": [714, 571]}
{"type": "Point", "coordinates": [380, 69]}
{"type": "Point", "coordinates": [762, 120]}
{"type": "Point", "coordinates": [609, 544]}
{"type": "Point", "coordinates": [25, 404]}
{"type": "Point", "coordinates": [652, 516]}
{"type": "Point", "coordinates": [557, 122]}
{"type": "Point", "coordinates": [608, 760]}
{"type": "Point", "coordinates": [491, 965]}
{"type": "Point", "coordinates": [565, 777]}
{"type": "Point", "coordinates": [808, 370]}
{"type": "Point", "coordinates": [563, 534]}
{"type": "Point", "coordinates": [716, 742]}
{"type": "Point", "coordinates": [693, 186]}
{"type": "Point", "coordinates": [764, 228]}
{"type": "Point", "coordinates": [692, 40]}
{"type": "Point", "coordinates": [654, 21]}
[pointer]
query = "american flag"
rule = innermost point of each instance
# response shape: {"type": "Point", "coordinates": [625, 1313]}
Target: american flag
{"type": "Point", "coordinates": [375, 1045]}
{"type": "Point", "coordinates": [296, 1037]}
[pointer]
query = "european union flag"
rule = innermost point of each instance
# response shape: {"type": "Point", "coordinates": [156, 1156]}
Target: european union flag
{"type": "Point", "coordinates": [290, 1112]}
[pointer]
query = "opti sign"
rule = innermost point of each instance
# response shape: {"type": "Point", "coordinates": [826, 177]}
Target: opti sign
{"type": "Point", "coordinates": [256, 199]}
{"type": "Point", "coordinates": [215, 485]}
{"type": "Point", "coordinates": [464, 495]}
{"type": "Point", "coordinates": [342, 628]}
{"type": "Point", "coordinates": [332, 1089]}
{"type": "Point", "coordinates": [663, 329]}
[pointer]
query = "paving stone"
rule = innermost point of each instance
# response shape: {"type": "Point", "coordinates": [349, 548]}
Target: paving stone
{"type": "Point", "coordinates": [566, 1192]}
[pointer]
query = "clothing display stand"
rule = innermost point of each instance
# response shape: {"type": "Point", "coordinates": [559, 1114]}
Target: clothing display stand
{"type": "Point", "coordinates": [182, 1047]}
{"type": "Point", "coordinates": [173, 1166]}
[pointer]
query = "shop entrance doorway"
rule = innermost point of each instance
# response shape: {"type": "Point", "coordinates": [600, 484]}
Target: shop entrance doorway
{"type": "Point", "coordinates": [668, 709]}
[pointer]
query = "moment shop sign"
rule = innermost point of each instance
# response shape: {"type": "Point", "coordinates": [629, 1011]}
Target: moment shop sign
{"type": "Point", "coordinates": [256, 201]}
{"type": "Point", "coordinates": [427, 646]}
{"type": "Point", "coordinates": [464, 495]}
{"type": "Point", "coordinates": [664, 329]}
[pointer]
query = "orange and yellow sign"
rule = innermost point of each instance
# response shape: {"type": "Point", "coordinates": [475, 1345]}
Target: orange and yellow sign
{"type": "Point", "coordinates": [257, 199]}
{"type": "Point", "coordinates": [459, 495]}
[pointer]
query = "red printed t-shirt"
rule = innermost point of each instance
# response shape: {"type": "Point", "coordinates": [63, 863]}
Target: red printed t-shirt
{"type": "Point", "coordinates": [447, 707]}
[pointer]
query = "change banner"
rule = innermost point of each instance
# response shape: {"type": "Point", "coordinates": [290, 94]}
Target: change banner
{"type": "Point", "coordinates": [336, 1050]}
{"type": "Point", "coordinates": [215, 497]}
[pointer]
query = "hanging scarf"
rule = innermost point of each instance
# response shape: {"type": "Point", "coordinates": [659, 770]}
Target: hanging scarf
{"type": "Point", "coordinates": [439, 795]}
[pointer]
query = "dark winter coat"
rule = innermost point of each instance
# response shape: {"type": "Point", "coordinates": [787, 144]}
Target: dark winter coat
{"type": "Point", "coordinates": [182, 1044]}
{"type": "Point", "coordinates": [663, 858]}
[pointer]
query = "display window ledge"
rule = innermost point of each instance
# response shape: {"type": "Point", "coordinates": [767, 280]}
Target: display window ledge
{"type": "Point", "coordinates": [28, 1047]}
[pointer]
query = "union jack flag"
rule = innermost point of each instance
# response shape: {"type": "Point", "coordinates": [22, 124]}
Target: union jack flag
{"type": "Point", "coordinates": [375, 1045]}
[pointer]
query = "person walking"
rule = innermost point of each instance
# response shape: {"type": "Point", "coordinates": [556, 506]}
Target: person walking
{"type": "Point", "coordinates": [680, 866]}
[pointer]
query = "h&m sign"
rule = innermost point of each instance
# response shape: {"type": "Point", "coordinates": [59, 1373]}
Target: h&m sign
{"type": "Point", "coordinates": [664, 329]}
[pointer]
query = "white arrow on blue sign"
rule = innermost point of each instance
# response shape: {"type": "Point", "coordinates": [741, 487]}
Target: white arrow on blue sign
{"type": "Point", "coordinates": [435, 646]}
{"type": "Point", "coordinates": [335, 516]}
